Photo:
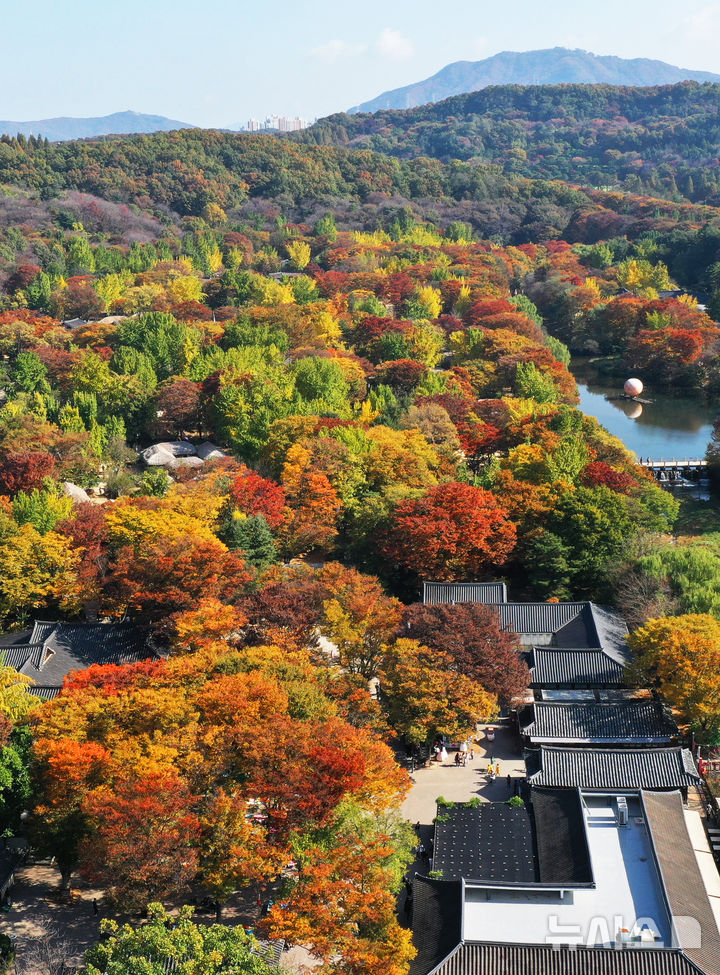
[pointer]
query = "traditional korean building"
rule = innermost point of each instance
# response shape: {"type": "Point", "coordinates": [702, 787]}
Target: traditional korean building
{"type": "Point", "coordinates": [618, 724]}
{"type": "Point", "coordinates": [51, 650]}
{"type": "Point", "coordinates": [573, 883]}
{"type": "Point", "coordinates": [616, 770]}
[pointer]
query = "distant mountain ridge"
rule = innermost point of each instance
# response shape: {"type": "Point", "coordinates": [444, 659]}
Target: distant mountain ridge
{"type": "Point", "coordinates": [119, 123]}
{"type": "Point", "coordinates": [553, 66]}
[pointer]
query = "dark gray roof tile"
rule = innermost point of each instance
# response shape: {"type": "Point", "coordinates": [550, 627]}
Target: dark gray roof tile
{"type": "Point", "coordinates": [437, 912]}
{"type": "Point", "coordinates": [488, 593]}
{"type": "Point", "coordinates": [553, 667]}
{"type": "Point", "coordinates": [55, 649]}
{"type": "Point", "coordinates": [618, 768]}
{"type": "Point", "coordinates": [640, 722]}
{"type": "Point", "coordinates": [695, 922]}
{"type": "Point", "coordinates": [495, 959]}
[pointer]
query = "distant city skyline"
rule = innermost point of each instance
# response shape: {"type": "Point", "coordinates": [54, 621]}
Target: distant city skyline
{"type": "Point", "coordinates": [237, 61]}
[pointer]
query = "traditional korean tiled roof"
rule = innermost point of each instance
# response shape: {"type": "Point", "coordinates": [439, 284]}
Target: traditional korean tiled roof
{"type": "Point", "coordinates": [31, 654]}
{"type": "Point", "coordinates": [44, 692]}
{"type": "Point", "coordinates": [541, 617]}
{"type": "Point", "coordinates": [488, 593]}
{"type": "Point", "coordinates": [639, 722]}
{"type": "Point", "coordinates": [567, 625]}
{"type": "Point", "coordinates": [437, 911]}
{"type": "Point", "coordinates": [552, 667]}
{"type": "Point", "coordinates": [499, 959]}
{"type": "Point", "coordinates": [612, 769]}
{"type": "Point", "coordinates": [562, 624]}
{"type": "Point", "coordinates": [54, 649]}
{"type": "Point", "coordinates": [694, 919]}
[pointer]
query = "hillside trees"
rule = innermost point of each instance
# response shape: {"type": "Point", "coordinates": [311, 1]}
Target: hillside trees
{"type": "Point", "coordinates": [681, 657]}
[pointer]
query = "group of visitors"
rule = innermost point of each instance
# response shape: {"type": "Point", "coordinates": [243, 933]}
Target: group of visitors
{"type": "Point", "coordinates": [464, 753]}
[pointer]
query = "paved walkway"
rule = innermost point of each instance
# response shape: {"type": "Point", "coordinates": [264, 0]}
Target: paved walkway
{"type": "Point", "coordinates": [458, 783]}
{"type": "Point", "coordinates": [46, 925]}
{"type": "Point", "coordinates": [41, 915]}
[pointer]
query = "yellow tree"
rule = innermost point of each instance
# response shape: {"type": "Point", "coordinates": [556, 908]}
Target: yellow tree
{"type": "Point", "coordinates": [358, 617]}
{"type": "Point", "coordinates": [680, 656]}
{"type": "Point", "coordinates": [234, 851]}
{"type": "Point", "coordinates": [424, 696]}
{"type": "Point", "coordinates": [425, 303]}
{"type": "Point", "coordinates": [15, 698]}
{"type": "Point", "coordinates": [140, 523]}
{"type": "Point", "coordinates": [37, 570]}
{"type": "Point", "coordinates": [299, 254]}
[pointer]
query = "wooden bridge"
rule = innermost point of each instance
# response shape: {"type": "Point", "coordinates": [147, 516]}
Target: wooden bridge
{"type": "Point", "coordinates": [675, 470]}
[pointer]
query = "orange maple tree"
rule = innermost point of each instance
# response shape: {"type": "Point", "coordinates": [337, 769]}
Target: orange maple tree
{"type": "Point", "coordinates": [455, 531]}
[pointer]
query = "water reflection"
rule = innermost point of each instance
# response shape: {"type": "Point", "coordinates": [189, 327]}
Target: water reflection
{"type": "Point", "coordinates": [665, 428]}
{"type": "Point", "coordinates": [632, 410]}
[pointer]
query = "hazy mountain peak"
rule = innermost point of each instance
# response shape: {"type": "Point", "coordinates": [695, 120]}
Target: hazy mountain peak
{"type": "Point", "coordinates": [553, 66]}
{"type": "Point", "coordinates": [119, 123]}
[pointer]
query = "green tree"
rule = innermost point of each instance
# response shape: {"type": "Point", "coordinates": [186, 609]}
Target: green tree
{"type": "Point", "coordinates": [80, 258]}
{"type": "Point", "coordinates": [533, 384]}
{"type": "Point", "coordinates": [43, 509]}
{"type": "Point", "coordinates": [252, 535]}
{"type": "Point", "coordinates": [425, 303]}
{"type": "Point", "coordinates": [545, 562]}
{"type": "Point", "coordinates": [29, 374]}
{"type": "Point", "coordinates": [320, 386]}
{"type": "Point", "coordinates": [692, 573]}
{"type": "Point", "coordinates": [594, 526]}
{"type": "Point", "coordinates": [326, 227]}
{"type": "Point", "coordinates": [166, 943]}
{"type": "Point", "coordinates": [15, 786]}
{"type": "Point", "coordinates": [154, 482]}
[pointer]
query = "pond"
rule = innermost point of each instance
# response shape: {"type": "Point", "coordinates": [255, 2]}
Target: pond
{"type": "Point", "coordinates": [667, 428]}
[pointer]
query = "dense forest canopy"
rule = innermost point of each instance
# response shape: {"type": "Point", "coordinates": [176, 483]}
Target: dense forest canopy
{"type": "Point", "coordinates": [660, 141]}
{"type": "Point", "coordinates": [179, 175]}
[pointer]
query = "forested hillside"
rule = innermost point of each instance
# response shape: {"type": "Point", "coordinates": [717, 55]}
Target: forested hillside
{"type": "Point", "coordinates": [660, 141]}
{"type": "Point", "coordinates": [170, 176]}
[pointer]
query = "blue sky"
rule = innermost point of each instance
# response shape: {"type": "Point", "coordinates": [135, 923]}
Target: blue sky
{"type": "Point", "coordinates": [219, 62]}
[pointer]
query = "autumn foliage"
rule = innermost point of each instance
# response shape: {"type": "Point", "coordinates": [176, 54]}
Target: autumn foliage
{"type": "Point", "coordinates": [455, 531]}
